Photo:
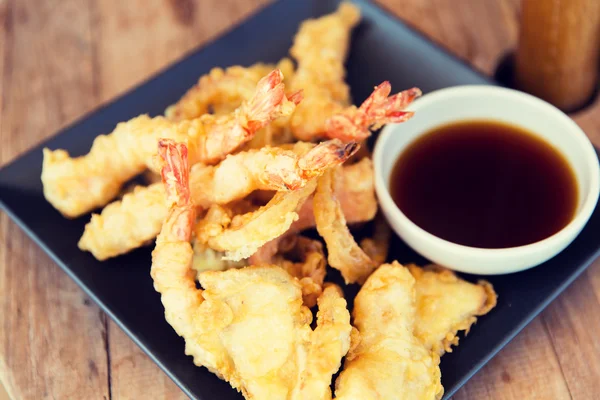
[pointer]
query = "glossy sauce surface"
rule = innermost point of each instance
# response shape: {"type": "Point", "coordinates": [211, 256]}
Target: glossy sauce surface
{"type": "Point", "coordinates": [484, 184]}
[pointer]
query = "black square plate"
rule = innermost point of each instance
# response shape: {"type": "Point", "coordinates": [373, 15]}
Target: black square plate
{"type": "Point", "coordinates": [382, 48]}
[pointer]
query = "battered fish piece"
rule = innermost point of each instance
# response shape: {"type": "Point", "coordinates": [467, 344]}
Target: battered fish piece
{"type": "Point", "coordinates": [75, 186]}
{"type": "Point", "coordinates": [386, 360]}
{"type": "Point", "coordinates": [447, 304]}
{"type": "Point", "coordinates": [320, 48]}
{"type": "Point", "coordinates": [248, 326]}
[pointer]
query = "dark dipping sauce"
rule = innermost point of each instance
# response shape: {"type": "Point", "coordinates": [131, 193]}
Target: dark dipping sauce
{"type": "Point", "coordinates": [485, 184]}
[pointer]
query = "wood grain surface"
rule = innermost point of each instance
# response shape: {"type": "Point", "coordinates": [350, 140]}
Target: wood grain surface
{"type": "Point", "coordinates": [59, 59]}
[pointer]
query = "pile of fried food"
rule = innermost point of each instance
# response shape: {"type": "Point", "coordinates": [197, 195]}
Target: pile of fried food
{"type": "Point", "coordinates": [243, 175]}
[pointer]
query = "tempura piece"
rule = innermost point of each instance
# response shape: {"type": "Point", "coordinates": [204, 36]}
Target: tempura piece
{"type": "Point", "coordinates": [75, 186]}
{"type": "Point", "coordinates": [386, 360]}
{"type": "Point", "coordinates": [130, 223]}
{"type": "Point", "coordinates": [355, 124]}
{"type": "Point", "coordinates": [207, 259]}
{"type": "Point", "coordinates": [241, 235]}
{"type": "Point", "coordinates": [126, 224]}
{"type": "Point", "coordinates": [356, 194]}
{"type": "Point", "coordinates": [248, 325]}
{"type": "Point", "coordinates": [304, 259]}
{"type": "Point", "coordinates": [320, 48]}
{"type": "Point", "coordinates": [222, 90]}
{"type": "Point", "coordinates": [377, 246]}
{"type": "Point", "coordinates": [344, 254]}
{"type": "Point", "coordinates": [354, 189]}
{"type": "Point", "coordinates": [301, 257]}
{"type": "Point", "coordinates": [447, 304]}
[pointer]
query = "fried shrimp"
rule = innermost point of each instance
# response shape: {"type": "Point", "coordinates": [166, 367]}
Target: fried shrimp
{"type": "Point", "coordinates": [133, 221]}
{"type": "Point", "coordinates": [75, 186]}
{"type": "Point", "coordinates": [241, 236]}
{"type": "Point", "coordinates": [243, 314]}
{"type": "Point", "coordinates": [386, 359]}
{"type": "Point", "coordinates": [222, 90]}
{"type": "Point", "coordinates": [356, 193]}
{"type": "Point", "coordinates": [377, 246]}
{"type": "Point", "coordinates": [355, 124]}
{"type": "Point", "coordinates": [344, 254]}
{"type": "Point", "coordinates": [320, 48]}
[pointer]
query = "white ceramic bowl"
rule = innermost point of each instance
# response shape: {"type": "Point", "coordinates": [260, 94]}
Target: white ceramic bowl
{"type": "Point", "coordinates": [494, 103]}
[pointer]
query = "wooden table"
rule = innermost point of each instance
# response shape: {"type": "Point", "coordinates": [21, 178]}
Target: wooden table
{"type": "Point", "coordinates": [60, 59]}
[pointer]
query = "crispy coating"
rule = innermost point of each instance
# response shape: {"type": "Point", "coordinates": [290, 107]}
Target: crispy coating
{"type": "Point", "coordinates": [133, 221]}
{"type": "Point", "coordinates": [222, 90]}
{"type": "Point", "coordinates": [344, 254]}
{"type": "Point", "coordinates": [248, 325]}
{"type": "Point", "coordinates": [302, 258]}
{"type": "Point", "coordinates": [75, 186]}
{"type": "Point", "coordinates": [126, 224]}
{"type": "Point", "coordinates": [241, 236]}
{"type": "Point", "coordinates": [320, 48]}
{"type": "Point", "coordinates": [354, 189]}
{"type": "Point", "coordinates": [356, 194]}
{"type": "Point", "coordinates": [447, 304]}
{"type": "Point", "coordinates": [207, 259]}
{"type": "Point", "coordinates": [377, 246]}
{"type": "Point", "coordinates": [386, 360]}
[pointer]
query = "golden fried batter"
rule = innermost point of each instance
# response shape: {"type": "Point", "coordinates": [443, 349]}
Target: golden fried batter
{"type": "Point", "coordinates": [320, 48]}
{"type": "Point", "coordinates": [447, 304]}
{"type": "Point", "coordinates": [344, 253]}
{"type": "Point", "coordinates": [133, 221]}
{"type": "Point", "coordinates": [386, 360]}
{"type": "Point", "coordinates": [75, 186]}
{"type": "Point", "coordinates": [223, 90]}
{"type": "Point", "coordinates": [248, 325]}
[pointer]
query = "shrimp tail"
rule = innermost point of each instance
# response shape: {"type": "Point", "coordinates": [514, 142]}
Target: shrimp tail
{"type": "Point", "coordinates": [378, 109]}
{"type": "Point", "coordinates": [175, 171]}
{"type": "Point", "coordinates": [325, 155]}
{"type": "Point", "coordinates": [172, 257]}
{"type": "Point", "coordinates": [269, 101]}
{"type": "Point", "coordinates": [175, 176]}
{"type": "Point", "coordinates": [296, 97]}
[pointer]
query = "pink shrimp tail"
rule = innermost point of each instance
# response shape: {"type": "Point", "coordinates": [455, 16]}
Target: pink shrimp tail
{"type": "Point", "coordinates": [296, 97]}
{"type": "Point", "coordinates": [267, 101]}
{"type": "Point", "coordinates": [326, 155]}
{"type": "Point", "coordinates": [377, 110]}
{"type": "Point", "coordinates": [175, 176]}
{"type": "Point", "coordinates": [175, 171]}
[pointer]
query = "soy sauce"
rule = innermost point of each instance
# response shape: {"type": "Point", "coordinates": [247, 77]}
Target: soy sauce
{"type": "Point", "coordinates": [485, 184]}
